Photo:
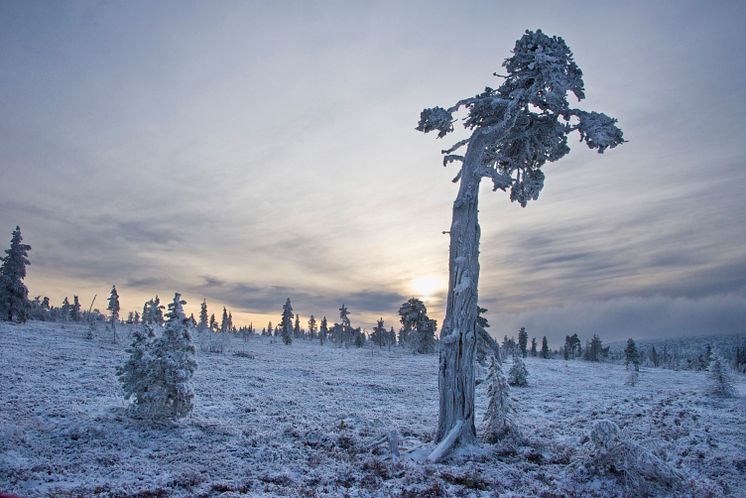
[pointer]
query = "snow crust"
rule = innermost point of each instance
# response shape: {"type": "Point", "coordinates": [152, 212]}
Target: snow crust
{"type": "Point", "coordinates": [299, 420]}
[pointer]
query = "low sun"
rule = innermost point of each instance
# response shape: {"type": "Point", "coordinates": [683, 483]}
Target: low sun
{"type": "Point", "coordinates": [426, 285]}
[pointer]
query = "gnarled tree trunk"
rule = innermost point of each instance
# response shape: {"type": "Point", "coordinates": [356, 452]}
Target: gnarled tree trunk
{"type": "Point", "coordinates": [458, 335]}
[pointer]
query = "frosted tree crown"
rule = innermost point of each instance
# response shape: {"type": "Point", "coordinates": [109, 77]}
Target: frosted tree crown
{"type": "Point", "coordinates": [525, 122]}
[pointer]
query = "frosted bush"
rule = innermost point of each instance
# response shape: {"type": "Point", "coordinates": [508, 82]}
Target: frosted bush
{"type": "Point", "coordinates": [610, 451]}
{"type": "Point", "coordinates": [517, 376]}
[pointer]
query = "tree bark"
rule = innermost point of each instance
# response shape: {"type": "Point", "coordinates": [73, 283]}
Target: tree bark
{"type": "Point", "coordinates": [458, 335]}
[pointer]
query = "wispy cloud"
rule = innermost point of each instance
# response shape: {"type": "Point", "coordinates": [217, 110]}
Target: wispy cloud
{"type": "Point", "coordinates": [248, 166]}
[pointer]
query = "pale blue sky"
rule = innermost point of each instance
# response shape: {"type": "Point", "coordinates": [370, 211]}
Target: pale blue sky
{"type": "Point", "coordinates": [251, 151]}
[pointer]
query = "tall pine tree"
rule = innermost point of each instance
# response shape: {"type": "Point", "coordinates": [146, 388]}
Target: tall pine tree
{"type": "Point", "coordinates": [287, 322]}
{"type": "Point", "coordinates": [14, 303]}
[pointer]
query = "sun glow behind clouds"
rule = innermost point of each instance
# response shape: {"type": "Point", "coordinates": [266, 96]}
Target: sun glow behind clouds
{"type": "Point", "coordinates": [427, 285]}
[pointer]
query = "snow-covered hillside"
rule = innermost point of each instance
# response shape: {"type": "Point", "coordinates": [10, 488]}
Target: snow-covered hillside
{"type": "Point", "coordinates": [298, 421]}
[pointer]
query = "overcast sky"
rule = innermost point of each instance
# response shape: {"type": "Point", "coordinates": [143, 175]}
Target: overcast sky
{"type": "Point", "coordinates": [247, 152]}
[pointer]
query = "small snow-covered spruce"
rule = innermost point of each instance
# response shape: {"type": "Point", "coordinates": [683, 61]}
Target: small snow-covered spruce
{"type": "Point", "coordinates": [516, 129]}
{"type": "Point", "coordinates": [204, 324]}
{"type": "Point", "coordinates": [631, 355]}
{"type": "Point", "coordinates": [721, 382]}
{"type": "Point", "coordinates": [379, 336]}
{"type": "Point", "coordinates": [65, 309]}
{"type": "Point", "coordinates": [113, 308]}
{"type": "Point", "coordinates": [287, 323]}
{"type": "Point", "coordinates": [632, 378]}
{"type": "Point", "coordinates": [168, 366]}
{"type": "Point", "coordinates": [632, 362]}
{"type": "Point", "coordinates": [132, 375]}
{"type": "Point", "coordinates": [14, 302]}
{"type": "Point", "coordinates": [517, 376]}
{"type": "Point", "coordinates": [534, 352]}
{"type": "Point", "coordinates": [156, 310]}
{"type": "Point", "coordinates": [498, 420]}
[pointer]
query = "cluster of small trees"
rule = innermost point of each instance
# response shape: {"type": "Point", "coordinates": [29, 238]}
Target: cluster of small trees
{"type": "Point", "coordinates": [40, 308]}
{"type": "Point", "coordinates": [593, 351]}
{"type": "Point", "coordinates": [417, 332]}
{"type": "Point", "coordinates": [512, 348]}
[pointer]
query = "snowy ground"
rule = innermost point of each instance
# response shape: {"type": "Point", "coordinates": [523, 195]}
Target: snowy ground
{"type": "Point", "coordinates": [297, 421]}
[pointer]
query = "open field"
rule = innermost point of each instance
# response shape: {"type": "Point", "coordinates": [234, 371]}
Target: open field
{"type": "Point", "coordinates": [298, 420]}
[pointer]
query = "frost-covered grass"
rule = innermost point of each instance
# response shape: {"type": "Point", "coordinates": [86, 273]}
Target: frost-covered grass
{"type": "Point", "coordinates": [297, 421]}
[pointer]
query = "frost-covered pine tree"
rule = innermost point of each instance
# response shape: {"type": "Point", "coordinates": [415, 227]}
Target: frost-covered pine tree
{"type": "Point", "coordinates": [523, 341]}
{"type": "Point", "coordinates": [342, 332]}
{"type": "Point", "coordinates": [14, 302]}
{"type": "Point", "coordinates": [498, 418]}
{"type": "Point", "coordinates": [516, 129]}
{"type": "Point", "coordinates": [631, 355]}
{"type": "Point", "coordinates": [75, 313]}
{"type": "Point", "coordinates": [418, 330]}
{"type": "Point", "coordinates": [133, 374]}
{"type": "Point", "coordinates": [517, 376]}
{"type": "Point", "coordinates": [632, 363]}
{"type": "Point", "coordinates": [113, 309]}
{"type": "Point", "coordinates": [312, 327]}
{"type": "Point", "coordinates": [287, 323]}
{"type": "Point", "coordinates": [157, 310]}
{"type": "Point", "coordinates": [168, 367]}
{"type": "Point", "coordinates": [224, 324]}
{"type": "Point", "coordinates": [152, 311]}
{"type": "Point", "coordinates": [323, 330]}
{"type": "Point", "coordinates": [544, 348]}
{"type": "Point", "coordinates": [203, 317]}
{"type": "Point", "coordinates": [534, 352]}
{"type": "Point", "coordinates": [721, 382]}
{"type": "Point", "coordinates": [379, 334]}
{"type": "Point", "coordinates": [65, 309]}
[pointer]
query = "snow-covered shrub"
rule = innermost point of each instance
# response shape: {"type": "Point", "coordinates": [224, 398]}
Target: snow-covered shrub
{"type": "Point", "coordinates": [721, 383]}
{"type": "Point", "coordinates": [498, 421]}
{"type": "Point", "coordinates": [159, 371]}
{"type": "Point", "coordinates": [610, 451]}
{"type": "Point", "coordinates": [517, 376]}
{"type": "Point", "coordinates": [632, 378]}
{"type": "Point", "coordinates": [216, 341]}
